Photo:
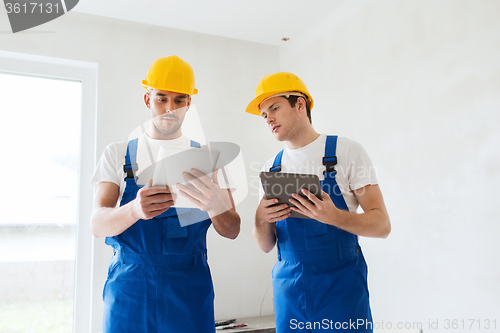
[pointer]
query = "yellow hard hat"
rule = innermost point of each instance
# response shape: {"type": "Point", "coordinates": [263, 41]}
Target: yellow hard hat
{"type": "Point", "coordinates": [171, 74]}
{"type": "Point", "coordinates": [277, 84]}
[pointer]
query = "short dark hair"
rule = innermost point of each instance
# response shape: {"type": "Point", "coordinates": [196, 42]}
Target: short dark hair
{"type": "Point", "coordinates": [292, 100]}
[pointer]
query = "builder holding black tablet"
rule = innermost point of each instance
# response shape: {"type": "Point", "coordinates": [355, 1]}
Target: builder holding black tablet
{"type": "Point", "coordinates": [320, 278]}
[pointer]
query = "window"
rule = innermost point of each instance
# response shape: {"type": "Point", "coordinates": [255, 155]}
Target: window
{"type": "Point", "coordinates": [47, 159]}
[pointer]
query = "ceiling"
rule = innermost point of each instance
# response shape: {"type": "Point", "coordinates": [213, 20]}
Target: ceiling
{"type": "Point", "coordinates": [262, 21]}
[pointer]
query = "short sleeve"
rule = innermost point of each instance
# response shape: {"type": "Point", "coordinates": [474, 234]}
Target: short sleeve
{"type": "Point", "coordinates": [361, 170]}
{"type": "Point", "coordinates": [107, 169]}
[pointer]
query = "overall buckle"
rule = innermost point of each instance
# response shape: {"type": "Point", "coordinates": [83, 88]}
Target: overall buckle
{"type": "Point", "coordinates": [329, 162]}
{"type": "Point", "coordinates": [275, 168]}
{"type": "Point", "coordinates": [129, 170]}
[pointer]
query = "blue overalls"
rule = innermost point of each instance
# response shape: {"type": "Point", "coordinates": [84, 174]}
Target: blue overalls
{"type": "Point", "coordinates": [158, 278]}
{"type": "Point", "coordinates": [320, 278]}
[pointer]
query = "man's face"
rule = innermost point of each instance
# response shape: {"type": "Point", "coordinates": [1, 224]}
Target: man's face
{"type": "Point", "coordinates": [168, 110]}
{"type": "Point", "coordinates": [282, 119]}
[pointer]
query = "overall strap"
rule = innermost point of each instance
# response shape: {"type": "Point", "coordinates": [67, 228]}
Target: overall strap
{"type": "Point", "coordinates": [130, 160]}
{"type": "Point", "coordinates": [277, 163]}
{"type": "Point", "coordinates": [195, 144]}
{"type": "Point", "coordinates": [330, 158]}
{"type": "Point", "coordinates": [130, 167]}
{"type": "Point", "coordinates": [329, 161]}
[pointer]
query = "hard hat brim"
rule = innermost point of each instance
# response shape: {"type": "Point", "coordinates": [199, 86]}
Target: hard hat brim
{"type": "Point", "coordinates": [253, 106]}
{"type": "Point", "coordinates": [194, 92]}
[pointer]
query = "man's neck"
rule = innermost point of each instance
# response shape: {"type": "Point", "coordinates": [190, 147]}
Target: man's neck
{"type": "Point", "coordinates": [303, 138]}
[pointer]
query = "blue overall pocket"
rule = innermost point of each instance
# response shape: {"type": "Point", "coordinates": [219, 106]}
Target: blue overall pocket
{"type": "Point", "coordinates": [315, 228]}
{"type": "Point", "coordinates": [317, 236]}
{"type": "Point", "coordinates": [173, 228]}
{"type": "Point", "coordinates": [175, 238]}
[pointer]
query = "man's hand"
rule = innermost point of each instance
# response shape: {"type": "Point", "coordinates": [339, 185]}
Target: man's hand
{"type": "Point", "coordinates": [152, 201]}
{"type": "Point", "coordinates": [373, 222]}
{"type": "Point", "coordinates": [266, 213]}
{"type": "Point", "coordinates": [207, 194]}
{"type": "Point", "coordinates": [321, 210]}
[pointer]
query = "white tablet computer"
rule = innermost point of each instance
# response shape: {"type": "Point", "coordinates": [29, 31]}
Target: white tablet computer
{"type": "Point", "coordinates": [168, 170]}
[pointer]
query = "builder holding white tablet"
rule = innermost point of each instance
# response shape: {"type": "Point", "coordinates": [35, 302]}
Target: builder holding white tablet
{"type": "Point", "coordinates": [320, 278]}
{"type": "Point", "coordinates": [158, 278]}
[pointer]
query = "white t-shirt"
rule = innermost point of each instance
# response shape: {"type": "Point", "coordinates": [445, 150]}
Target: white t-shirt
{"type": "Point", "coordinates": [354, 166]}
{"type": "Point", "coordinates": [110, 165]}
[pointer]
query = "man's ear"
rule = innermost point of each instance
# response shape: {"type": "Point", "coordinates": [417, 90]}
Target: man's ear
{"type": "Point", "coordinates": [301, 104]}
{"type": "Point", "coordinates": [147, 99]}
{"type": "Point", "coordinates": [188, 103]}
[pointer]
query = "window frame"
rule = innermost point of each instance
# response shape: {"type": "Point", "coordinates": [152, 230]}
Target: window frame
{"type": "Point", "coordinates": [86, 73]}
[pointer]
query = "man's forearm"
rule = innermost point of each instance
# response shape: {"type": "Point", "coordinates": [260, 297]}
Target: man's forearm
{"type": "Point", "coordinates": [111, 221]}
{"type": "Point", "coordinates": [224, 217]}
{"type": "Point", "coordinates": [373, 223]}
{"type": "Point", "coordinates": [227, 224]}
{"type": "Point", "coordinates": [264, 235]}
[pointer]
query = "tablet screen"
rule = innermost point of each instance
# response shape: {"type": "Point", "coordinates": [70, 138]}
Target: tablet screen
{"type": "Point", "coordinates": [168, 170]}
{"type": "Point", "coordinates": [281, 186]}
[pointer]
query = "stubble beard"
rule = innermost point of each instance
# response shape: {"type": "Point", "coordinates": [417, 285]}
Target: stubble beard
{"type": "Point", "coordinates": [288, 134]}
{"type": "Point", "coordinates": [166, 130]}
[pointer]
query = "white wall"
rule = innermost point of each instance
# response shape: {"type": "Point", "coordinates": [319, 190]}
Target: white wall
{"type": "Point", "coordinates": [417, 83]}
{"type": "Point", "coordinates": [227, 72]}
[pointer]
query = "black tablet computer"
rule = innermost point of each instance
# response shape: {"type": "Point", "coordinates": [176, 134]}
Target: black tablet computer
{"type": "Point", "coordinates": [281, 186]}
